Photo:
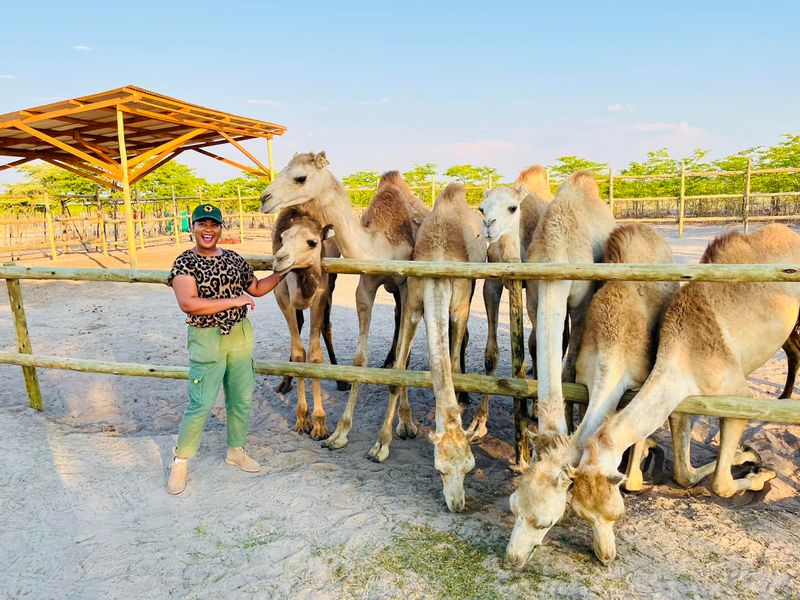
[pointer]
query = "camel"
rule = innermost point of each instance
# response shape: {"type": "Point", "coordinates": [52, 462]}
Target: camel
{"type": "Point", "coordinates": [509, 220]}
{"type": "Point", "coordinates": [295, 322]}
{"type": "Point", "coordinates": [712, 336]}
{"type": "Point", "coordinates": [298, 242]}
{"type": "Point", "coordinates": [573, 229]}
{"type": "Point", "coordinates": [616, 354]}
{"type": "Point", "coordinates": [451, 233]}
{"type": "Point", "coordinates": [385, 231]}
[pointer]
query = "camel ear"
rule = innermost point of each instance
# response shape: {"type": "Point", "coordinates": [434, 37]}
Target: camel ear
{"type": "Point", "coordinates": [328, 232]}
{"type": "Point", "coordinates": [296, 154]}
{"type": "Point", "coordinates": [617, 479]}
{"type": "Point", "coordinates": [320, 160]}
{"type": "Point", "coordinates": [564, 479]}
{"type": "Point", "coordinates": [521, 191]}
{"type": "Point", "coordinates": [570, 471]}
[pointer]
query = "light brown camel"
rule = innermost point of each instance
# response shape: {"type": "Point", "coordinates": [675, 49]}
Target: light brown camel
{"type": "Point", "coordinates": [297, 243]}
{"type": "Point", "coordinates": [295, 322]}
{"type": "Point", "coordinates": [616, 355]}
{"type": "Point", "coordinates": [385, 231]}
{"type": "Point", "coordinates": [573, 229]}
{"type": "Point", "coordinates": [509, 221]}
{"type": "Point", "coordinates": [712, 336]}
{"type": "Point", "coordinates": [451, 234]}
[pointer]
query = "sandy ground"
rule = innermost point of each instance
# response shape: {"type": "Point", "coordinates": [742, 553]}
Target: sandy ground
{"type": "Point", "coordinates": [84, 514]}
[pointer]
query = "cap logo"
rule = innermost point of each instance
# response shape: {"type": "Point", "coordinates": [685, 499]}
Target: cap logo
{"type": "Point", "coordinates": [208, 208]}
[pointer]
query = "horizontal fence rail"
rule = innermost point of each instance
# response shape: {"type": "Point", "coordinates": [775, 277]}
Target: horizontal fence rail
{"type": "Point", "coordinates": [409, 268]}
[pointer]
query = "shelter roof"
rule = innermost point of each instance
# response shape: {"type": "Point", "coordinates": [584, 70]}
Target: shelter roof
{"type": "Point", "coordinates": [82, 132]}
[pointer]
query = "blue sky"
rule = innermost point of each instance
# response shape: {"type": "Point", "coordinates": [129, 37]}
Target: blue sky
{"type": "Point", "coordinates": [386, 85]}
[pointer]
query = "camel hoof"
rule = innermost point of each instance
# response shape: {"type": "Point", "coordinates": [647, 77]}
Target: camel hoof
{"type": "Point", "coordinates": [342, 386]}
{"type": "Point", "coordinates": [320, 433]}
{"type": "Point", "coordinates": [285, 386]}
{"type": "Point", "coordinates": [406, 430]}
{"type": "Point", "coordinates": [477, 429]}
{"type": "Point", "coordinates": [335, 442]}
{"type": "Point", "coordinates": [633, 484]}
{"type": "Point", "coordinates": [379, 452]}
{"type": "Point", "coordinates": [760, 478]}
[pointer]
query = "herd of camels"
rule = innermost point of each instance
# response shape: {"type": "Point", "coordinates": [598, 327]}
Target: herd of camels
{"type": "Point", "coordinates": [666, 340]}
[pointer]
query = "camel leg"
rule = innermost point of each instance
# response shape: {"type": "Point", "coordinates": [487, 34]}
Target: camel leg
{"type": "Point", "coordinates": [579, 299]}
{"type": "Point", "coordinates": [492, 293]}
{"type": "Point", "coordinates": [294, 320]}
{"type": "Point", "coordinates": [722, 482]}
{"type": "Point", "coordinates": [792, 349]}
{"type": "Point", "coordinates": [319, 428]}
{"type": "Point", "coordinates": [389, 360]}
{"type": "Point", "coordinates": [379, 452]}
{"type": "Point", "coordinates": [638, 452]}
{"type": "Point", "coordinates": [365, 298]}
{"type": "Point", "coordinates": [463, 397]}
{"type": "Point", "coordinates": [327, 329]}
{"type": "Point", "coordinates": [684, 474]}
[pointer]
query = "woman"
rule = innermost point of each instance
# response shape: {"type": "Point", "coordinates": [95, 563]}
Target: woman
{"type": "Point", "coordinates": [210, 285]}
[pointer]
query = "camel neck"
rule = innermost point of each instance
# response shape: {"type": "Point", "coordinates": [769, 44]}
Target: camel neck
{"type": "Point", "coordinates": [351, 237]}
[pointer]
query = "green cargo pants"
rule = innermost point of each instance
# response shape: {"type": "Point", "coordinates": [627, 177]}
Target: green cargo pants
{"type": "Point", "coordinates": [218, 360]}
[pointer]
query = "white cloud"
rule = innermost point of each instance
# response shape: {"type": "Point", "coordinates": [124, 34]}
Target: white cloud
{"type": "Point", "coordinates": [482, 151]}
{"type": "Point", "coordinates": [272, 103]}
{"type": "Point", "coordinates": [8, 76]}
{"type": "Point", "coordinates": [82, 48]}
{"type": "Point", "coordinates": [619, 108]}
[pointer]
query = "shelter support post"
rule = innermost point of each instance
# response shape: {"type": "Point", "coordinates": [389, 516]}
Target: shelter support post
{"type": "Point", "coordinates": [24, 342]}
{"type": "Point", "coordinates": [126, 191]}
{"type": "Point", "coordinates": [269, 160]}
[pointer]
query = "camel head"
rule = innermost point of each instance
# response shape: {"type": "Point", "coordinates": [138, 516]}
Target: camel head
{"type": "Point", "coordinates": [301, 244]}
{"type": "Point", "coordinates": [500, 210]}
{"type": "Point", "coordinates": [538, 503]}
{"type": "Point", "coordinates": [453, 459]}
{"type": "Point", "coordinates": [597, 499]}
{"type": "Point", "coordinates": [304, 179]}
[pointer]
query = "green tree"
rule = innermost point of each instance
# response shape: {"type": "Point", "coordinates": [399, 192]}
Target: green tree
{"type": "Point", "coordinates": [420, 175]}
{"type": "Point", "coordinates": [566, 165]}
{"type": "Point", "coordinates": [472, 175]}
{"type": "Point", "coordinates": [368, 180]}
{"type": "Point", "coordinates": [159, 183]}
{"type": "Point", "coordinates": [45, 178]}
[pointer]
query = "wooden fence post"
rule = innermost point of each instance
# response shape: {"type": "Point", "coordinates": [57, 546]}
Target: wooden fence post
{"type": "Point", "coordinates": [51, 236]}
{"type": "Point", "coordinates": [746, 199]}
{"type": "Point", "coordinates": [517, 330]}
{"type": "Point", "coordinates": [682, 201]}
{"type": "Point", "coordinates": [24, 342]}
{"type": "Point", "coordinates": [611, 190]}
{"type": "Point", "coordinates": [176, 220]}
{"type": "Point", "coordinates": [241, 221]}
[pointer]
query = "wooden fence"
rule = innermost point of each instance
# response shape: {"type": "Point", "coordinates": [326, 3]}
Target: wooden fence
{"type": "Point", "coordinates": [517, 386]}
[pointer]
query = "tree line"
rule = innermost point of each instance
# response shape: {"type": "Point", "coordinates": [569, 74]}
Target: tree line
{"type": "Point", "coordinates": [183, 181]}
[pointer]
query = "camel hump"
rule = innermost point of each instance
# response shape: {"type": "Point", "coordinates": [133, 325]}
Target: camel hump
{"type": "Point", "coordinates": [389, 212]}
{"type": "Point", "coordinates": [636, 243]}
{"type": "Point", "coordinates": [584, 183]}
{"type": "Point", "coordinates": [536, 182]}
{"type": "Point", "coordinates": [455, 192]}
{"type": "Point", "coordinates": [286, 219]}
{"type": "Point", "coordinates": [773, 243]}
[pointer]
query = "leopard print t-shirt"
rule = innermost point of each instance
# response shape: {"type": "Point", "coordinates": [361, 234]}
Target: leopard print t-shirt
{"type": "Point", "coordinates": [225, 276]}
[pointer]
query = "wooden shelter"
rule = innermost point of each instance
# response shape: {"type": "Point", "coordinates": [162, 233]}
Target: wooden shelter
{"type": "Point", "coordinates": [117, 137]}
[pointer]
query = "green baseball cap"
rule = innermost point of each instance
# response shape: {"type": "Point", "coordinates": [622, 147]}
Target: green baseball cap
{"type": "Point", "coordinates": [207, 211]}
